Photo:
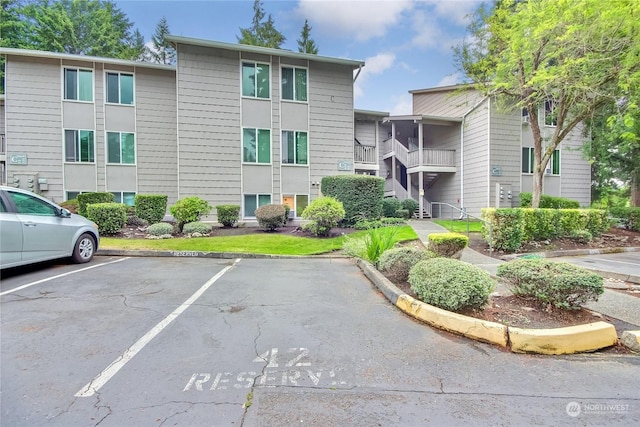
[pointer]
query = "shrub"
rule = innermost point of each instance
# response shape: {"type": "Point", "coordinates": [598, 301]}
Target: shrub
{"type": "Point", "coordinates": [596, 221]}
{"type": "Point", "coordinates": [550, 202]}
{"type": "Point", "coordinates": [324, 213]}
{"type": "Point", "coordinates": [581, 236]}
{"type": "Point", "coordinates": [70, 205]}
{"type": "Point", "coordinates": [382, 222]}
{"type": "Point", "coordinates": [628, 217]}
{"type": "Point", "coordinates": [110, 217]}
{"type": "Point", "coordinates": [361, 195]}
{"type": "Point", "coordinates": [228, 215]}
{"type": "Point", "coordinates": [557, 283]}
{"type": "Point", "coordinates": [189, 209]}
{"type": "Point", "coordinates": [379, 240]}
{"type": "Point", "coordinates": [506, 226]}
{"type": "Point", "coordinates": [397, 262]}
{"type": "Point", "coordinates": [151, 207]}
{"type": "Point", "coordinates": [389, 206]}
{"type": "Point", "coordinates": [197, 227]}
{"type": "Point", "coordinates": [410, 205]}
{"type": "Point", "coordinates": [450, 284]}
{"type": "Point", "coordinates": [403, 213]}
{"type": "Point", "coordinates": [355, 247]}
{"type": "Point", "coordinates": [541, 224]}
{"type": "Point", "coordinates": [160, 229]}
{"type": "Point", "coordinates": [135, 221]}
{"type": "Point", "coordinates": [85, 199]}
{"type": "Point", "coordinates": [287, 210]}
{"type": "Point", "coordinates": [270, 217]}
{"type": "Point", "coordinates": [448, 245]}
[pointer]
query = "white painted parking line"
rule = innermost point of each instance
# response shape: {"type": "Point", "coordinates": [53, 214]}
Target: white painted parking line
{"type": "Point", "coordinates": [91, 388]}
{"type": "Point", "coordinates": [19, 288]}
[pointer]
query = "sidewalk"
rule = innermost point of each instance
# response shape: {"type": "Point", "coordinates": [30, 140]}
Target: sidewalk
{"type": "Point", "coordinates": [614, 304]}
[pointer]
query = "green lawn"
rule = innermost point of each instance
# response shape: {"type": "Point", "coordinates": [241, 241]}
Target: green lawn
{"type": "Point", "coordinates": [460, 226]}
{"type": "Point", "coordinates": [273, 244]}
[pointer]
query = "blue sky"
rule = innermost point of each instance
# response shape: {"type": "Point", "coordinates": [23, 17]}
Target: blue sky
{"type": "Point", "coordinates": [406, 44]}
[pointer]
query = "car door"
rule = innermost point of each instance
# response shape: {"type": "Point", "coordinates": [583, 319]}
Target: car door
{"type": "Point", "coordinates": [10, 236]}
{"type": "Point", "coordinates": [44, 234]}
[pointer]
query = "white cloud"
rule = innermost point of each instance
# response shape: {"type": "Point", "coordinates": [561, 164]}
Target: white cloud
{"type": "Point", "coordinates": [428, 32]}
{"type": "Point", "coordinates": [403, 105]}
{"type": "Point", "coordinates": [456, 11]}
{"type": "Point", "coordinates": [450, 80]}
{"type": "Point", "coordinates": [374, 65]}
{"type": "Point", "coordinates": [359, 19]}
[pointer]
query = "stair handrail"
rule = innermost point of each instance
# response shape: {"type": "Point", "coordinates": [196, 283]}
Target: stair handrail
{"type": "Point", "coordinates": [463, 215]}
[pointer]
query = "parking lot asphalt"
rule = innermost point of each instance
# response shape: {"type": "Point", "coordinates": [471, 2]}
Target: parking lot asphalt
{"type": "Point", "coordinates": [261, 342]}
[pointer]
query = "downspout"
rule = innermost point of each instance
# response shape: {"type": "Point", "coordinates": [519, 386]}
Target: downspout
{"type": "Point", "coordinates": [462, 163]}
{"type": "Point", "coordinates": [358, 73]}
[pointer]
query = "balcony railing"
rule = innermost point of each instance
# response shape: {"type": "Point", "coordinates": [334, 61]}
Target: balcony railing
{"type": "Point", "coordinates": [430, 157]}
{"type": "Point", "coordinates": [365, 154]}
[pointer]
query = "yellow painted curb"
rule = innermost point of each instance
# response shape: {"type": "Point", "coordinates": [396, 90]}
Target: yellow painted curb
{"type": "Point", "coordinates": [493, 333]}
{"type": "Point", "coordinates": [631, 339]}
{"type": "Point", "coordinates": [569, 340]}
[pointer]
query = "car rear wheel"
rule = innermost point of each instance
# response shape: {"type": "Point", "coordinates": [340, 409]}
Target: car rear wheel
{"type": "Point", "coordinates": [84, 249]}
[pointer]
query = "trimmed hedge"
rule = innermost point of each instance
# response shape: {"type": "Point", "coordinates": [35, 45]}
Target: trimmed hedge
{"type": "Point", "coordinates": [228, 215]}
{"type": "Point", "coordinates": [560, 284]}
{"type": "Point", "coordinates": [270, 217]}
{"type": "Point", "coordinates": [150, 207]}
{"type": "Point", "coordinates": [629, 217]}
{"type": "Point", "coordinates": [513, 226]}
{"type": "Point", "coordinates": [550, 202]}
{"type": "Point", "coordinates": [110, 217]}
{"type": "Point", "coordinates": [361, 195]}
{"type": "Point", "coordinates": [448, 245]}
{"type": "Point", "coordinates": [451, 284]}
{"type": "Point", "coordinates": [396, 263]}
{"type": "Point", "coordinates": [85, 199]}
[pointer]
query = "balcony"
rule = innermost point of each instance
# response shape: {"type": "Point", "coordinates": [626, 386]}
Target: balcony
{"type": "Point", "coordinates": [364, 154]}
{"type": "Point", "coordinates": [433, 160]}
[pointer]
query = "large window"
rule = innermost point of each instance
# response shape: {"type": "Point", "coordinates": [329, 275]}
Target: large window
{"type": "Point", "coordinates": [255, 80]}
{"type": "Point", "coordinates": [256, 145]}
{"type": "Point", "coordinates": [294, 84]}
{"type": "Point", "coordinates": [79, 146]}
{"type": "Point", "coordinates": [120, 88]}
{"type": "Point", "coordinates": [294, 148]}
{"type": "Point", "coordinates": [126, 197]}
{"type": "Point", "coordinates": [78, 84]}
{"type": "Point", "coordinates": [296, 202]}
{"type": "Point", "coordinates": [121, 148]}
{"type": "Point", "coordinates": [550, 114]}
{"type": "Point", "coordinates": [553, 167]}
{"type": "Point", "coordinates": [253, 202]}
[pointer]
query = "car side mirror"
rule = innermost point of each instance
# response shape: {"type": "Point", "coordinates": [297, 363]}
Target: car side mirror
{"type": "Point", "coordinates": [65, 213]}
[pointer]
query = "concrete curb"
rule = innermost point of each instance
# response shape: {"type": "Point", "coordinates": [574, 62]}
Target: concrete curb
{"type": "Point", "coordinates": [202, 254]}
{"type": "Point", "coordinates": [569, 340]}
{"type": "Point", "coordinates": [632, 278]}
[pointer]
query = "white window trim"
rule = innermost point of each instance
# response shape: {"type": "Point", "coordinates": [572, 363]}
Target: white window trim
{"type": "Point", "coordinates": [257, 196]}
{"type": "Point", "coordinates": [121, 193]}
{"type": "Point", "coordinates": [64, 146]}
{"type": "Point", "coordinates": [106, 89]}
{"type": "Point", "coordinates": [106, 148]}
{"type": "Point", "coordinates": [255, 63]}
{"type": "Point", "coordinates": [64, 84]}
{"type": "Point", "coordinates": [298, 214]}
{"type": "Point", "coordinates": [270, 147]}
{"type": "Point", "coordinates": [299, 165]}
{"type": "Point", "coordinates": [294, 100]}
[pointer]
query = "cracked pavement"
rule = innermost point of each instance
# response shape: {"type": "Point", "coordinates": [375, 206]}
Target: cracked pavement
{"type": "Point", "coordinates": [272, 343]}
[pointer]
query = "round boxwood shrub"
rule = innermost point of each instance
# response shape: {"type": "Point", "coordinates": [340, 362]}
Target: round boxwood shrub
{"type": "Point", "coordinates": [450, 284]}
{"type": "Point", "coordinates": [410, 205]}
{"type": "Point", "coordinates": [271, 217]}
{"type": "Point", "coordinates": [324, 213]}
{"type": "Point", "coordinates": [396, 263]}
{"type": "Point", "coordinates": [228, 215]}
{"type": "Point", "coordinates": [151, 207]}
{"type": "Point", "coordinates": [197, 227]}
{"type": "Point", "coordinates": [448, 245]}
{"type": "Point", "coordinates": [110, 217]}
{"type": "Point", "coordinates": [560, 284]}
{"type": "Point", "coordinates": [389, 206]}
{"type": "Point", "coordinates": [160, 229]}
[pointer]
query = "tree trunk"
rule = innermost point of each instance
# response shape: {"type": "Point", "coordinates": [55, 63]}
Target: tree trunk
{"type": "Point", "coordinates": [536, 191]}
{"type": "Point", "coordinates": [635, 190]}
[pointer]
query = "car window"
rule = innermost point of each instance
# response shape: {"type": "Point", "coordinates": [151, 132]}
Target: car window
{"type": "Point", "coordinates": [2, 207]}
{"type": "Point", "coordinates": [29, 205]}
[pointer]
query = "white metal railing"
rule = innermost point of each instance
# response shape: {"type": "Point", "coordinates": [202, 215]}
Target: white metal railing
{"type": "Point", "coordinates": [431, 157]}
{"type": "Point", "coordinates": [365, 154]}
{"type": "Point", "coordinates": [402, 154]}
{"type": "Point", "coordinates": [463, 215]}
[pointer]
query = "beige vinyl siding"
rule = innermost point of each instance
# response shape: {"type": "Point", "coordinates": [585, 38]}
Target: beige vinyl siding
{"type": "Point", "coordinates": [34, 120]}
{"type": "Point", "coordinates": [445, 103]}
{"type": "Point", "coordinates": [156, 135]}
{"type": "Point", "coordinates": [331, 119]}
{"type": "Point", "coordinates": [101, 151]}
{"type": "Point", "coordinates": [506, 151]}
{"type": "Point", "coordinates": [575, 171]}
{"type": "Point", "coordinates": [365, 132]}
{"type": "Point", "coordinates": [476, 160]}
{"type": "Point", "coordinates": [209, 128]}
{"type": "Point", "coordinates": [276, 131]}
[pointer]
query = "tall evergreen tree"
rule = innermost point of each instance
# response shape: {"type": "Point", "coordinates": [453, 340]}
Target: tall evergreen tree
{"type": "Point", "coordinates": [163, 52]}
{"type": "Point", "coordinates": [261, 33]}
{"type": "Point", "coordinates": [305, 43]}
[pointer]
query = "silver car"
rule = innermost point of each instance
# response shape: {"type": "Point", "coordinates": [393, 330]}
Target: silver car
{"type": "Point", "coordinates": [33, 229]}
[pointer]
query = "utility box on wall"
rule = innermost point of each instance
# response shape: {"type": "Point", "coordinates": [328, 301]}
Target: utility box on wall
{"type": "Point", "coordinates": [29, 182]}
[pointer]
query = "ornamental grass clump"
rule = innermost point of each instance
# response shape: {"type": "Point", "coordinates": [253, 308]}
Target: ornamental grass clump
{"type": "Point", "coordinates": [560, 284]}
{"type": "Point", "coordinates": [378, 240]}
{"type": "Point", "coordinates": [451, 284]}
{"type": "Point", "coordinates": [396, 263]}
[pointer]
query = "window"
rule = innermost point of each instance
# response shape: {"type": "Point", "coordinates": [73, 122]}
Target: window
{"type": "Point", "coordinates": [121, 148]}
{"type": "Point", "coordinates": [294, 84]}
{"type": "Point", "coordinates": [253, 202]}
{"type": "Point", "coordinates": [120, 88]}
{"type": "Point", "coordinates": [296, 202]}
{"type": "Point", "coordinates": [126, 197]}
{"type": "Point", "coordinates": [78, 84]}
{"type": "Point", "coordinates": [29, 205]}
{"type": "Point", "coordinates": [79, 146]}
{"type": "Point", "coordinates": [550, 114]}
{"type": "Point", "coordinates": [294, 148]}
{"type": "Point", "coordinates": [255, 80]}
{"type": "Point", "coordinates": [553, 167]}
{"type": "Point", "coordinates": [256, 145]}
{"type": "Point", "coordinates": [72, 195]}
